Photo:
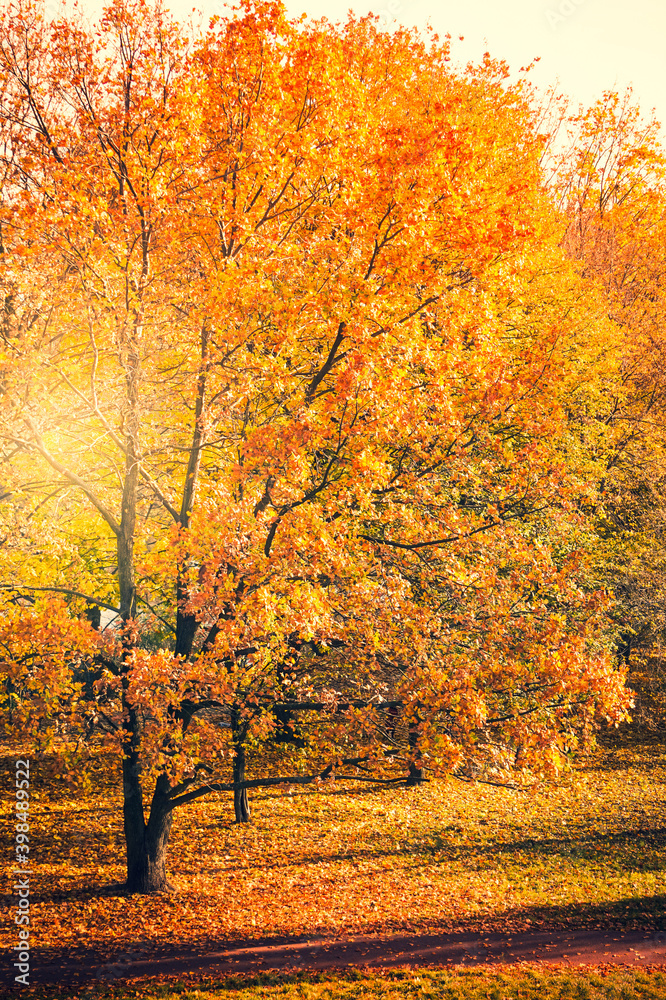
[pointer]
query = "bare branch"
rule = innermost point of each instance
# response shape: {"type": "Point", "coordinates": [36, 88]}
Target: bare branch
{"type": "Point", "coordinates": [73, 478]}
{"type": "Point", "coordinates": [328, 364]}
{"type": "Point", "coordinates": [294, 779]}
{"type": "Point", "coordinates": [62, 590]}
{"type": "Point", "coordinates": [94, 407]}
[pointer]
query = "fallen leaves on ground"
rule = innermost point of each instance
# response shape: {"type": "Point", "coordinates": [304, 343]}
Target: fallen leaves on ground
{"type": "Point", "coordinates": [591, 850]}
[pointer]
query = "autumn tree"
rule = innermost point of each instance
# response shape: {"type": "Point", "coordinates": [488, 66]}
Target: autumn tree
{"type": "Point", "coordinates": [288, 340]}
{"type": "Point", "coordinates": [612, 193]}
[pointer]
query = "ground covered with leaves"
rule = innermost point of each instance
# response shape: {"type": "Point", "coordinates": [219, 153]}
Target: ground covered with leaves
{"type": "Point", "coordinates": [588, 851]}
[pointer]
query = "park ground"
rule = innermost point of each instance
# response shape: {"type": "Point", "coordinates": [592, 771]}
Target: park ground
{"type": "Point", "coordinates": [583, 856]}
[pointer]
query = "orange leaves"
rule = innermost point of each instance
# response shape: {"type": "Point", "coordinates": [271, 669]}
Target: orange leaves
{"type": "Point", "coordinates": [43, 648]}
{"type": "Point", "coordinates": [297, 340]}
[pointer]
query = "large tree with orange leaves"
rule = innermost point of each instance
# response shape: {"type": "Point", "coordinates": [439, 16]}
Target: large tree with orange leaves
{"type": "Point", "coordinates": [288, 346]}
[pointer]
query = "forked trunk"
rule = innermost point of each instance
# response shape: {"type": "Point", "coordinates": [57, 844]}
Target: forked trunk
{"type": "Point", "coordinates": [146, 842]}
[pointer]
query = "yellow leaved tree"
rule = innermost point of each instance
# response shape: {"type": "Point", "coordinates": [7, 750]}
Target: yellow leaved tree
{"type": "Point", "coordinates": [288, 346]}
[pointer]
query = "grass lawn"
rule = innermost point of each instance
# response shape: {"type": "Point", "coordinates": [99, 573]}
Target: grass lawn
{"type": "Point", "coordinates": [523, 984]}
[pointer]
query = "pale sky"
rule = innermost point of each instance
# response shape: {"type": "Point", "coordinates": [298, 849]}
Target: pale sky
{"type": "Point", "coordinates": [587, 45]}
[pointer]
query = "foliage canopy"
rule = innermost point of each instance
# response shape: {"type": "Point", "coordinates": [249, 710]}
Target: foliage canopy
{"type": "Point", "coordinates": [295, 374]}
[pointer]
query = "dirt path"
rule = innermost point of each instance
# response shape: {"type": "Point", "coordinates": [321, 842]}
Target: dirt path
{"type": "Point", "coordinates": [566, 947]}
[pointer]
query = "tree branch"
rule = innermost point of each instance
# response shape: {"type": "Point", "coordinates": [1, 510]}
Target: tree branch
{"type": "Point", "coordinates": [94, 406]}
{"type": "Point", "coordinates": [294, 779]}
{"type": "Point", "coordinates": [404, 319]}
{"type": "Point", "coordinates": [328, 364]}
{"type": "Point", "coordinates": [194, 458]}
{"type": "Point", "coordinates": [495, 784]}
{"type": "Point", "coordinates": [341, 706]}
{"type": "Point", "coordinates": [434, 541]}
{"type": "Point", "coordinates": [62, 590]}
{"type": "Point", "coordinates": [73, 478]}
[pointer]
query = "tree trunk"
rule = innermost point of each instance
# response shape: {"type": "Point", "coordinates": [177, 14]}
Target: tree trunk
{"type": "Point", "coordinates": [147, 842]}
{"type": "Point", "coordinates": [241, 804]}
{"type": "Point", "coordinates": [239, 730]}
{"type": "Point", "coordinates": [415, 776]}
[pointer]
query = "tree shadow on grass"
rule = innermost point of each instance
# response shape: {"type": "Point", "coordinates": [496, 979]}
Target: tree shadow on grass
{"type": "Point", "coordinates": [443, 846]}
{"type": "Point", "coordinates": [617, 914]}
{"type": "Point", "coordinates": [108, 890]}
{"type": "Point", "coordinates": [593, 845]}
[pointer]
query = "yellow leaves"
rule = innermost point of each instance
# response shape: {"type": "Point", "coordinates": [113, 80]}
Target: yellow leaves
{"type": "Point", "coordinates": [42, 646]}
{"type": "Point", "coordinates": [304, 353]}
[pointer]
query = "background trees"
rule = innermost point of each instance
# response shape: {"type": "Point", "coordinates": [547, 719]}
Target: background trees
{"type": "Point", "coordinates": [612, 192]}
{"type": "Point", "coordinates": [289, 349]}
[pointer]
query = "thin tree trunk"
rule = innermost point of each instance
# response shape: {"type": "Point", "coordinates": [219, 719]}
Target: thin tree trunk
{"type": "Point", "coordinates": [187, 623]}
{"type": "Point", "coordinates": [241, 803]}
{"type": "Point", "coordinates": [415, 776]}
